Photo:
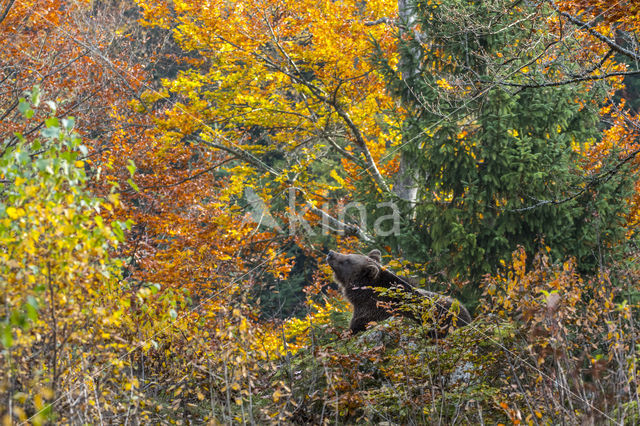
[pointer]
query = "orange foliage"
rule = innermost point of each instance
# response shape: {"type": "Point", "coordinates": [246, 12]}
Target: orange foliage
{"type": "Point", "coordinates": [76, 53]}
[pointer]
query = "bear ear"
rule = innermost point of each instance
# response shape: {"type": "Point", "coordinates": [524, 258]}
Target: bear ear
{"type": "Point", "coordinates": [375, 255]}
{"type": "Point", "coordinates": [373, 271]}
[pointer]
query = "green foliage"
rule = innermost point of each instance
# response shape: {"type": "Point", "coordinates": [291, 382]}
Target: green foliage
{"type": "Point", "coordinates": [497, 166]}
{"type": "Point", "coordinates": [56, 273]}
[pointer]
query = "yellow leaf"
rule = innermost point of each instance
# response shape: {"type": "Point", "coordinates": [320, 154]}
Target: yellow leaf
{"type": "Point", "coordinates": [12, 212]}
{"type": "Point", "coordinates": [37, 401]}
{"type": "Point", "coordinates": [337, 177]}
{"type": "Point", "coordinates": [444, 84]}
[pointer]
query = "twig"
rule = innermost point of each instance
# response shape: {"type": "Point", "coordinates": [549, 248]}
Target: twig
{"type": "Point", "coordinates": [590, 29]}
{"type": "Point", "coordinates": [5, 12]}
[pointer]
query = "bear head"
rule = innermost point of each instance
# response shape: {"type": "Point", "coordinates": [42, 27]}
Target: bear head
{"type": "Point", "coordinates": [351, 269]}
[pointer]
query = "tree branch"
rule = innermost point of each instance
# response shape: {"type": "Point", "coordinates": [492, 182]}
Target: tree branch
{"type": "Point", "coordinates": [343, 151]}
{"type": "Point", "coordinates": [5, 12]}
{"type": "Point", "coordinates": [589, 28]}
{"type": "Point", "coordinates": [113, 68]}
{"type": "Point", "coordinates": [603, 177]}
{"type": "Point", "coordinates": [194, 176]}
{"type": "Point", "coordinates": [240, 154]}
{"type": "Point", "coordinates": [359, 139]}
{"type": "Point", "coordinates": [349, 229]}
{"type": "Point", "coordinates": [383, 20]}
{"type": "Point", "coordinates": [563, 82]}
{"type": "Point", "coordinates": [321, 95]}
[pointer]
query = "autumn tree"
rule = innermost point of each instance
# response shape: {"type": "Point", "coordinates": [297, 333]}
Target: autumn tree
{"type": "Point", "coordinates": [63, 311]}
{"type": "Point", "coordinates": [267, 120]}
{"type": "Point", "coordinates": [81, 54]}
{"type": "Point", "coordinates": [275, 97]}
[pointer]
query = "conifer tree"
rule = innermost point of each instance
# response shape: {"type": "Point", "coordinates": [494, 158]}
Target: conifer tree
{"type": "Point", "coordinates": [498, 167]}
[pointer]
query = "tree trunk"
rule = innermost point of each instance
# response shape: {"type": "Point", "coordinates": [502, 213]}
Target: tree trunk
{"type": "Point", "coordinates": [406, 182]}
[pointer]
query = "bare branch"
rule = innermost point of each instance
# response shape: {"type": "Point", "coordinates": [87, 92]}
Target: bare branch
{"type": "Point", "coordinates": [343, 151]}
{"type": "Point", "coordinates": [383, 20]}
{"type": "Point", "coordinates": [5, 12]}
{"type": "Point", "coordinates": [9, 109]}
{"type": "Point", "coordinates": [349, 229]}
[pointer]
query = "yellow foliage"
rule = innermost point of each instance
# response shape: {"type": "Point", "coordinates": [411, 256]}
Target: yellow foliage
{"type": "Point", "coordinates": [294, 333]}
{"type": "Point", "coordinates": [296, 69]}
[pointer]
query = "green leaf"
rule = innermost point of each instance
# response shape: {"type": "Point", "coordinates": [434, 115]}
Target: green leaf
{"type": "Point", "coordinates": [51, 132]}
{"type": "Point", "coordinates": [35, 95]}
{"type": "Point", "coordinates": [23, 105]}
{"type": "Point", "coordinates": [6, 336]}
{"type": "Point", "coordinates": [23, 157]}
{"type": "Point", "coordinates": [68, 123]}
{"type": "Point", "coordinates": [133, 185]}
{"type": "Point", "coordinates": [132, 168]}
{"type": "Point", "coordinates": [25, 108]}
{"type": "Point", "coordinates": [116, 227]}
{"type": "Point", "coordinates": [32, 308]}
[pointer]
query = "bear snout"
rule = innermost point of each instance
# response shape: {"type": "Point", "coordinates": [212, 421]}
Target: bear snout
{"type": "Point", "coordinates": [333, 260]}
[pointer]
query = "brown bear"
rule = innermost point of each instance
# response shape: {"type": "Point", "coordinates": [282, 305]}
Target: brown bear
{"type": "Point", "coordinates": [357, 275]}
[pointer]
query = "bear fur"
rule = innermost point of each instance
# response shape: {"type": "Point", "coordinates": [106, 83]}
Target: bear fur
{"type": "Point", "coordinates": [358, 275]}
